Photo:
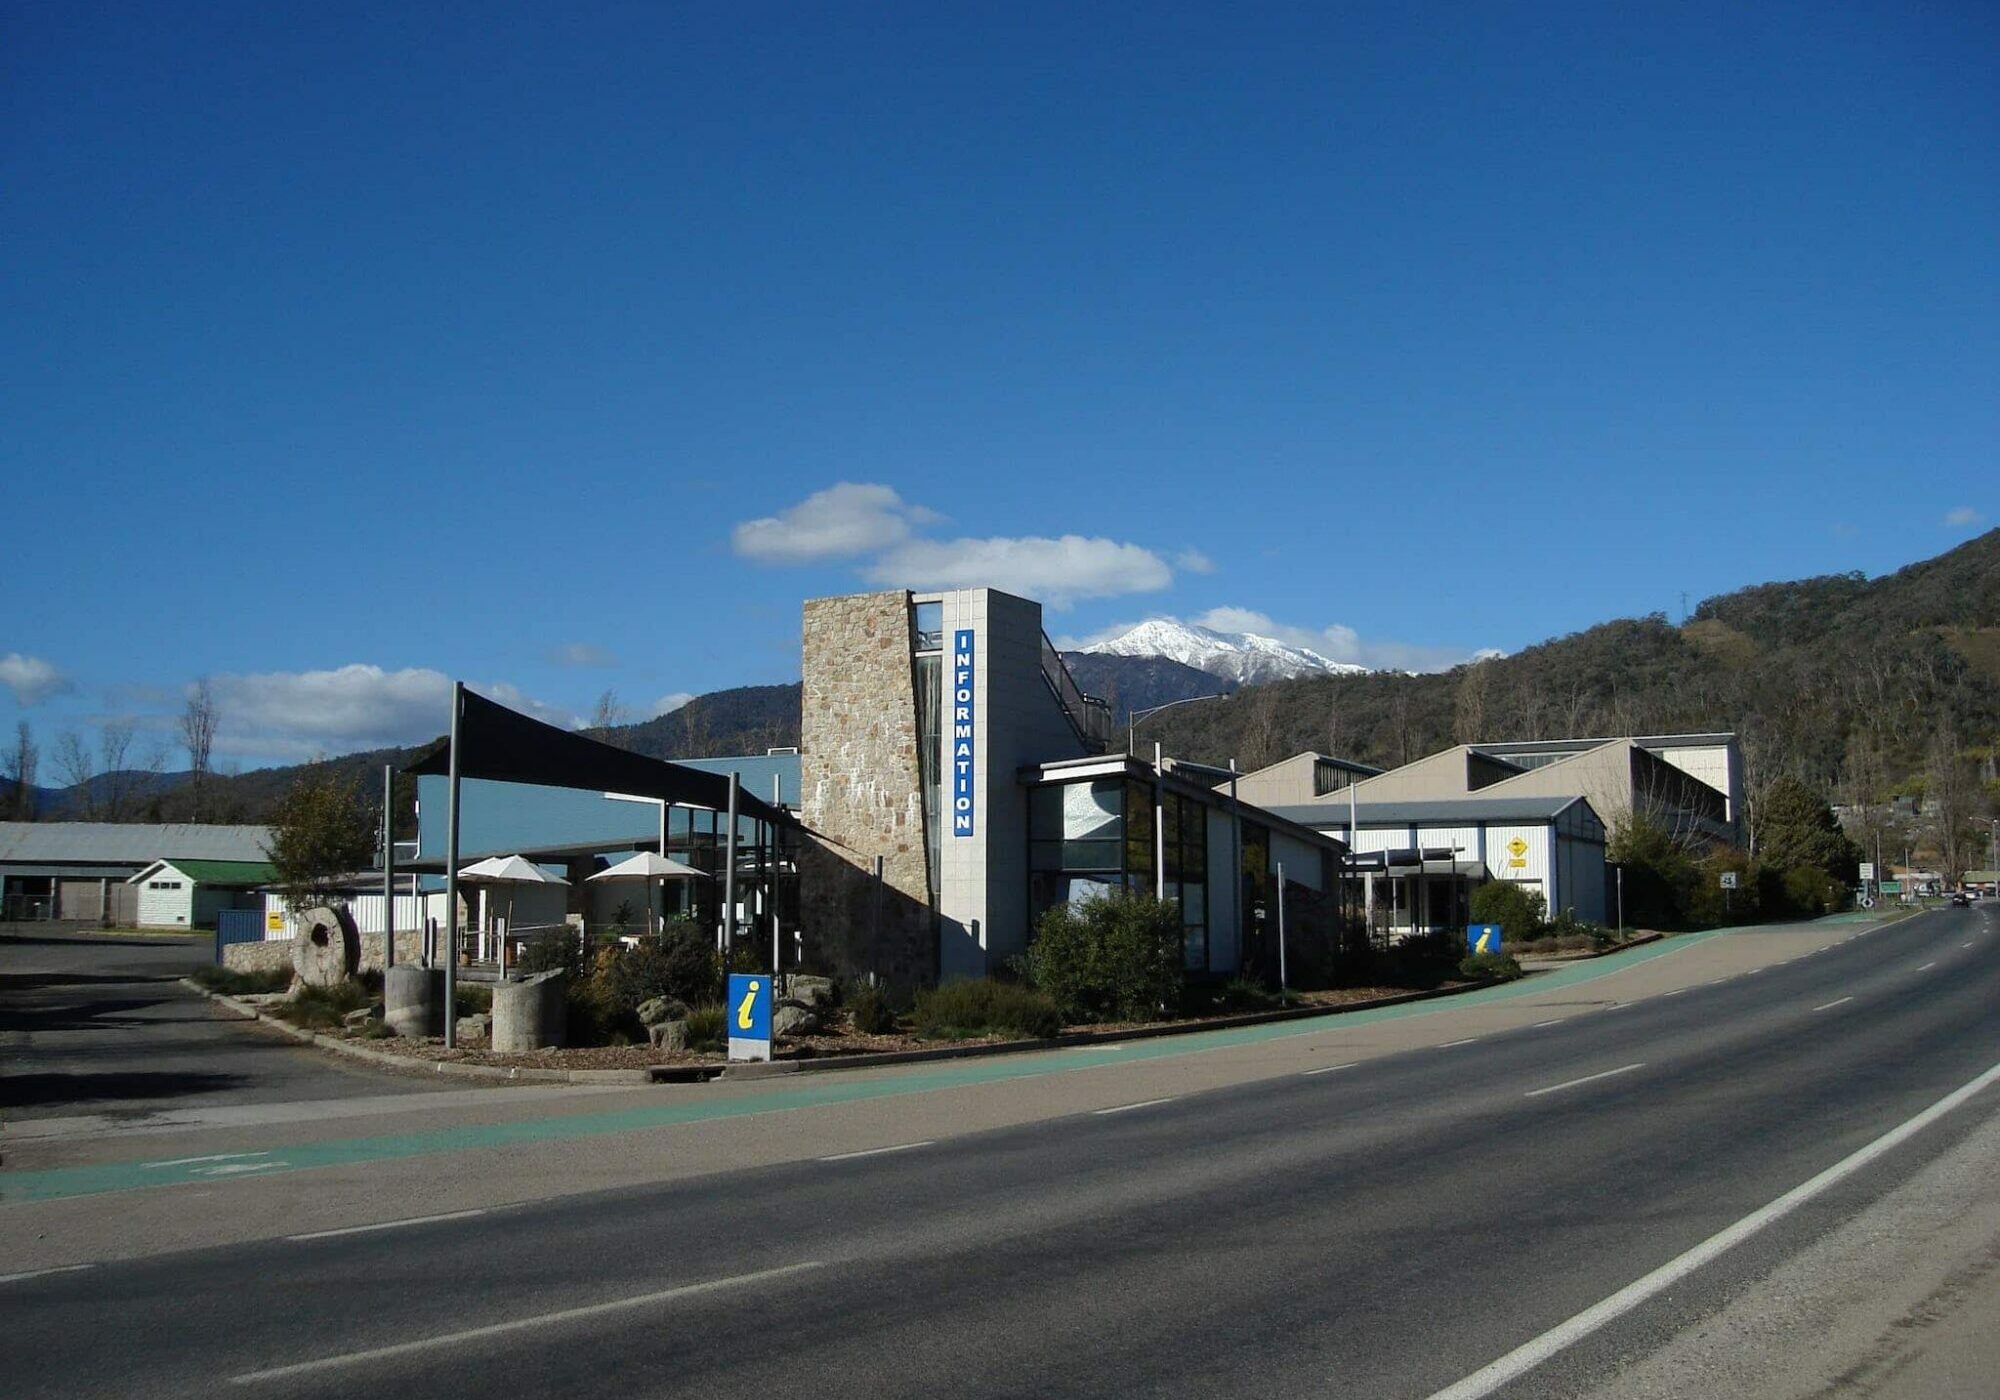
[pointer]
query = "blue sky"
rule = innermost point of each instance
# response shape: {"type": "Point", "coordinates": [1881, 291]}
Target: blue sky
{"type": "Point", "coordinates": [558, 348]}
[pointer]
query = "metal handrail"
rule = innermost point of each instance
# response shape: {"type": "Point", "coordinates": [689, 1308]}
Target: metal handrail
{"type": "Point", "coordinates": [1090, 716]}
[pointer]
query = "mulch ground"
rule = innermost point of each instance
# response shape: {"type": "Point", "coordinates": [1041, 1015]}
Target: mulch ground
{"type": "Point", "coordinates": [840, 1039]}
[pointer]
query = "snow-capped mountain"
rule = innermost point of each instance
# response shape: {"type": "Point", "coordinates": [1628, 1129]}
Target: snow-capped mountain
{"type": "Point", "coordinates": [1244, 658]}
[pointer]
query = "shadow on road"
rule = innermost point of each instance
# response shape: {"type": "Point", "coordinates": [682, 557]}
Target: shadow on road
{"type": "Point", "coordinates": [28, 1090]}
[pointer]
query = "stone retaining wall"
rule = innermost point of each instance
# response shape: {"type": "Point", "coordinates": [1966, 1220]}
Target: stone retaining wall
{"type": "Point", "coordinates": [276, 953]}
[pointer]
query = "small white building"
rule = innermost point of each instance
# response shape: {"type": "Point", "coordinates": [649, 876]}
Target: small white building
{"type": "Point", "coordinates": [1552, 845]}
{"type": "Point", "coordinates": [190, 893]}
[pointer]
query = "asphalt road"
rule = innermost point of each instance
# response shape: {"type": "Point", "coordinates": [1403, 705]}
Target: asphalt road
{"type": "Point", "coordinates": [1384, 1229]}
{"type": "Point", "coordinates": [97, 1025]}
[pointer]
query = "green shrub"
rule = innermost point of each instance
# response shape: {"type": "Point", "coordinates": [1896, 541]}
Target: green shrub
{"type": "Point", "coordinates": [1242, 994]}
{"type": "Point", "coordinates": [959, 1010]}
{"type": "Point", "coordinates": [1480, 967]}
{"type": "Point", "coordinates": [708, 1029]}
{"type": "Point", "coordinates": [321, 1008]}
{"type": "Point", "coordinates": [1421, 961]}
{"type": "Point", "coordinates": [1518, 910]}
{"type": "Point", "coordinates": [552, 950]}
{"type": "Point", "coordinates": [680, 963]}
{"type": "Point", "coordinates": [238, 984]}
{"type": "Point", "coordinates": [1116, 958]}
{"type": "Point", "coordinates": [472, 998]}
{"type": "Point", "coordinates": [872, 1014]}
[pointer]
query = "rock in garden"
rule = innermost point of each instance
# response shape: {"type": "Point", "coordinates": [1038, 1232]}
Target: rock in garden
{"type": "Point", "coordinates": [813, 993]}
{"type": "Point", "coordinates": [668, 1035]}
{"type": "Point", "coordinates": [660, 1010]}
{"type": "Point", "coordinates": [794, 1020]}
{"type": "Point", "coordinates": [361, 1016]}
{"type": "Point", "coordinates": [474, 1027]}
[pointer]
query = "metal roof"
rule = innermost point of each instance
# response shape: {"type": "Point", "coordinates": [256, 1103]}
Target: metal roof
{"type": "Point", "coordinates": [128, 843]}
{"type": "Point", "coordinates": [1444, 811]}
{"type": "Point", "coordinates": [219, 872]}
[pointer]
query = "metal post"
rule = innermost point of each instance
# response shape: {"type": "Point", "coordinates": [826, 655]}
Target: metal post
{"type": "Point", "coordinates": [1159, 824]}
{"type": "Point", "coordinates": [1621, 901]}
{"type": "Point", "coordinates": [1282, 981]}
{"type": "Point", "coordinates": [388, 867]}
{"type": "Point", "coordinates": [451, 877]}
{"type": "Point", "coordinates": [729, 877]}
{"type": "Point", "coordinates": [1236, 858]}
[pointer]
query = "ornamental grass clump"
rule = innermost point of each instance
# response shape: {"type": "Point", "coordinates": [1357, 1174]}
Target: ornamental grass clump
{"type": "Point", "coordinates": [979, 1007]}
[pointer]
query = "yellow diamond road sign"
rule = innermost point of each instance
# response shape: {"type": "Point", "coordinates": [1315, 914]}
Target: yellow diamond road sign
{"type": "Point", "coordinates": [1517, 848]}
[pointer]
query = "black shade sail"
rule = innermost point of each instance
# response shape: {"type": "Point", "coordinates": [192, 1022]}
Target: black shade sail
{"type": "Point", "coordinates": [500, 744]}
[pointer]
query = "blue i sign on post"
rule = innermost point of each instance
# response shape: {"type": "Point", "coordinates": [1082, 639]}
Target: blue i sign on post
{"type": "Point", "coordinates": [749, 1016]}
{"type": "Point", "coordinates": [961, 732]}
{"type": "Point", "coordinates": [1482, 938]}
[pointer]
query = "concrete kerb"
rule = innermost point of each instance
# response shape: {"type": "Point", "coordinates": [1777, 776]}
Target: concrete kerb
{"type": "Point", "coordinates": [519, 1074]}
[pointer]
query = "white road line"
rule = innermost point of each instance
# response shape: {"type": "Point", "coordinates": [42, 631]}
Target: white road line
{"type": "Point", "coordinates": [1587, 1079]}
{"type": "Point", "coordinates": [1533, 1353]}
{"type": "Point", "coordinates": [386, 1225]}
{"type": "Point", "coordinates": [1450, 1043]}
{"type": "Point", "coordinates": [665, 1295]}
{"type": "Point", "coordinates": [1539, 1024]}
{"type": "Point", "coordinates": [1128, 1107]}
{"type": "Point", "coordinates": [1927, 967]}
{"type": "Point", "coordinates": [1966, 944]}
{"type": "Point", "coordinates": [878, 1151]}
{"type": "Point", "coordinates": [1674, 993]}
{"type": "Point", "coordinates": [44, 1273]}
{"type": "Point", "coordinates": [1329, 1069]}
{"type": "Point", "coordinates": [218, 1157]}
{"type": "Point", "coordinates": [1831, 1004]}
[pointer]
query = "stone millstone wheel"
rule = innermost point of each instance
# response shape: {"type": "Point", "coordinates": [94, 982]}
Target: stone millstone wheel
{"type": "Point", "coordinates": [327, 950]}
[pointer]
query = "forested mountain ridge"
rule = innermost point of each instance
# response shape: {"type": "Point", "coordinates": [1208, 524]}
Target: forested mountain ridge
{"type": "Point", "coordinates": [1840, 681]}
{"type": "Point", "coordinates": [1845, 682]}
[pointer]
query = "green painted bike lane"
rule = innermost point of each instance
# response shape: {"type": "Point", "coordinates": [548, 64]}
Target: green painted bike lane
{"type": "Point", "coordinates": [62, 1182]}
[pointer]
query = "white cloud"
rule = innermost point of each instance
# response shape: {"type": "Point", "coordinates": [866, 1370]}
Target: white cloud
{"type": "Point", "coordinates": [667, 704]}
{"type": "Point", "coordinates": [846, 519]}
{"type": "Point", "coordinates": [581, 654]}
{"type": "Point", "coordinates": [1963, 515]}
{"type": "Point", "coordinates": [302, 713]}
{"type": "Point", "coordinates": [1338, 642]}
{"type": "Point", "coordinates": [32, 679]}
{"type": "Point", "coordinates": [1058, 572]}
{"type": "Point", "coordinates": [1194, 562]}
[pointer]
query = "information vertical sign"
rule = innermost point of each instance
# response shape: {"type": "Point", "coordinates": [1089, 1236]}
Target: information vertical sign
{"type": "Point", "coordinates": [961, 732]}
{"type": "Point", "coordinates": [749, 1016]}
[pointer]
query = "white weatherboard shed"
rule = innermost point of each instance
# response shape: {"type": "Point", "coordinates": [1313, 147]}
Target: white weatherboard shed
{"type": "Point", "coordinates": [190, 893]}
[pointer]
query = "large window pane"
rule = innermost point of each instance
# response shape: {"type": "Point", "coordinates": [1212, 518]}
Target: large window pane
{"type": "Point", "coordinates": [1091, 811]}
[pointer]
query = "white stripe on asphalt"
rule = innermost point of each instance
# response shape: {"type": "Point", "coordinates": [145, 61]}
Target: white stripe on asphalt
{"type": "Point", "coordinates": [1588, 1078]}
{"type": "Point", "coordinates": [1539, 1024]}
{"type": "Point", "coordinates": [665, 1295]}
{"type": "Point", "coordinates": [878, 1151]}
{"type": "Point", "coordinates": [218, 1157]}
{"type": "Point", "coordinates": [1927, 967]}
{"type": "Point", "coordinates": [1674, 993]}
{"type": "Point", "coordinates": [1450, 1043]}
{"type": "Point", "coordinates": [44, 1273]}
{"type": "Point", "coordinates": [1128, 1107]}
{"type": "Point", "coordinates": [1531, 1354]}
{"type": "Point", "coordinates": [386, 1225]}
{"type": "Point", "coordinates": [1830, 1005]}
{"type": "Point", "coordinates": [1329, 1069]}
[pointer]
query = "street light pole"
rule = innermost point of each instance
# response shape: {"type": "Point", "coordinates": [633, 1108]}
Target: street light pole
{"type": "Point", "coordinates": [1132, 719]}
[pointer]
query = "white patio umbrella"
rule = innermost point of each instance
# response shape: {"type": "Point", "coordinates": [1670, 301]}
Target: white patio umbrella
{"type": "Point", "coordinates": [508, 870]}
{"type": "Point", "coordinates": [650, 866]}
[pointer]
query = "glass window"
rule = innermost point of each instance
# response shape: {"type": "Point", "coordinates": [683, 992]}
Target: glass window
{"type": "Point", "coordinates": [930, 626]}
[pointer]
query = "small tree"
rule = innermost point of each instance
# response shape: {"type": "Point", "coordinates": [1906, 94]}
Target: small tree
{"type": "Point", "coordinates": [1518, 910]}
{"type": "Point", "coordinates": [198, 723]}
{"type": "Point", "coordinates": [1115, 958]}
{"type": "Point", "coordinates": [323, 829]}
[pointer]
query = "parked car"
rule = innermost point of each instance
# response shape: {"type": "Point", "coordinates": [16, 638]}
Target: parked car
{"type": "Point", "coordinates": [1960, 900]}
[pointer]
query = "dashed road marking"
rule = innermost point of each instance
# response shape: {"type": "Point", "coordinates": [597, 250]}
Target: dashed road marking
{"type": "Point", "coordinates": [878, 1151]}
{"type": "Point", "coordinates": [386, 1225]}
{"type": "Point", "coordinates": [1831, 1004]}
{"type": "Point", "coordinates": [1587, 1079]}
{"type": "Point", "coordinates": [1128, 1107]}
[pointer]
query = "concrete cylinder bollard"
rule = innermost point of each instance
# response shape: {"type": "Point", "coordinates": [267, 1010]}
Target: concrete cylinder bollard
{"type": "Point", "coordinates": [529, 1014]}
{"type": "Point", "coordinates": [413, 1000]}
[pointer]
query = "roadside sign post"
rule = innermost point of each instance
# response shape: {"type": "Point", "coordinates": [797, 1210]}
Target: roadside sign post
{"type": "Point", "coordinates": [749, 1015]}
{"type": "Point", "coordinates": [1281, 933]}
{"type": "Point", "coordinates": [1483, 938]}
{"type": "Point", "coordinates": [1728, 884]}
